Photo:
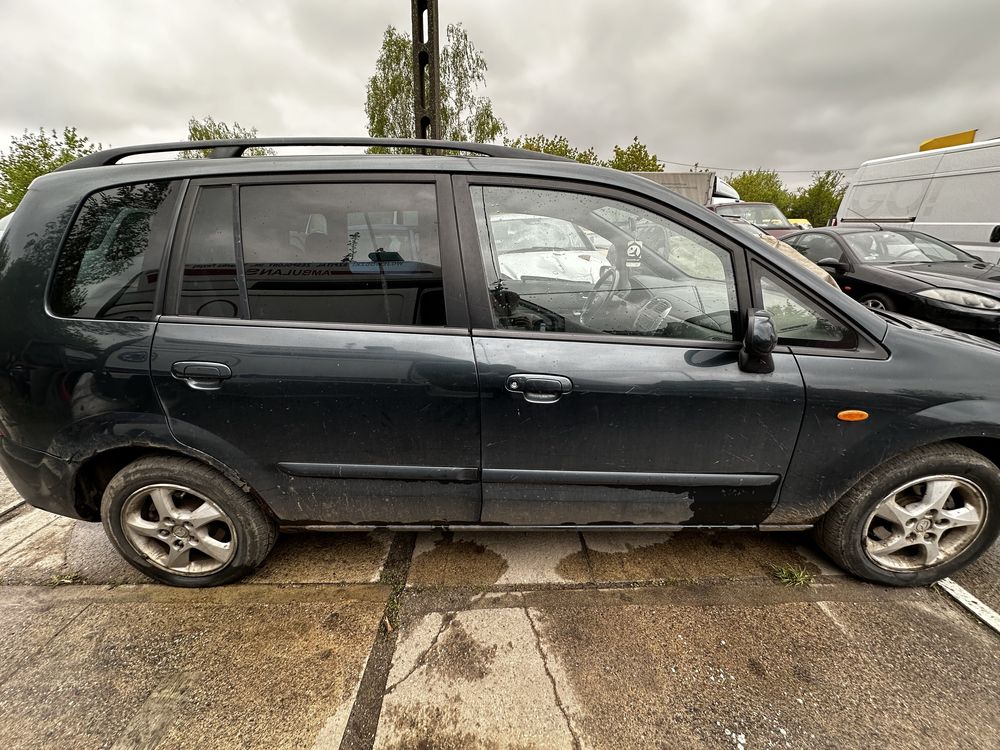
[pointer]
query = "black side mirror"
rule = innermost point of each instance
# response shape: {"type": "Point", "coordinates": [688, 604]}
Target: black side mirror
{"type": "Point", "coordinates": [995, 234]}
{"type": "Point", "coordinates": [758, 343]}
{"type": "Point", "coordinates": [833, 266]}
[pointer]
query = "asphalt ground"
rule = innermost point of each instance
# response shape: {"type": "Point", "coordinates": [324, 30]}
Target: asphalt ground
{"type": "Point", "coordinates": [486, 640]}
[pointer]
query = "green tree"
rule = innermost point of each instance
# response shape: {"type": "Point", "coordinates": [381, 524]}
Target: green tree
{"type": "Point", "coordinates": [465, 114]}
{"type": "Point", "coordinates": [207, 129]}
{"type": "Point", "coordinates": [34, 154]}
{"type": "Point", "coordinates": [635, 157]}
{"type": "Point", "coordinates": [557, 145]}
{"type": "Point", "coordinates": [818, 201]}
{"type": "Point", "coordinates": [762, 185]}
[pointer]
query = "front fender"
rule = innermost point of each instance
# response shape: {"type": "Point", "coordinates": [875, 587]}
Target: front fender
{"type": "Point", "coordinates": [822, 471]}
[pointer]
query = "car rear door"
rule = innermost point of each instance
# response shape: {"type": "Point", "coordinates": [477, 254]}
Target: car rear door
{"type": "Point", "coordinates": [642, 416]}
{"type": "Point", "coordinates": [317, 344]}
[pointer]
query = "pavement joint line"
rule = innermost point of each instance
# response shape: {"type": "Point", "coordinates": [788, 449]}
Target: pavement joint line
{"type": "Point", "coordinates": [234, 594]}
{"type": "Point", "coordinates": [12, 510]}
{"type": "Point", "coordinates": [21, 541]}
{"type": "Point", "coordinates": [979, 609]}
{"type": "Point", "coordinates": [362, 724]}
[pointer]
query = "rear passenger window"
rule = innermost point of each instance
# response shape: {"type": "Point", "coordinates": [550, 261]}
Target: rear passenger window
{"type": "Point", "coordinates": [110, 265]}
{"type": "Point", "coordinates": [343, 253]}
{"type": "Point", "coordinates": [209, 286]}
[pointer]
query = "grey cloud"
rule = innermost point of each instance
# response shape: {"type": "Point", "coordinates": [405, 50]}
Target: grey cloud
{"type": "Point", "coordinates": [754, 83]}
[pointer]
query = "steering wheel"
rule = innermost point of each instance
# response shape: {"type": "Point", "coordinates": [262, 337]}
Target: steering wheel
{"type": "Point", "coordinates": [911, 250]}
{"type": "Point", "coordinates": [597, 298]}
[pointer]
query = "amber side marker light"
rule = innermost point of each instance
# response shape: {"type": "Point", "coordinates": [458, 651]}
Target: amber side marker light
{"type": "Point", "coordinates": [852, 415]}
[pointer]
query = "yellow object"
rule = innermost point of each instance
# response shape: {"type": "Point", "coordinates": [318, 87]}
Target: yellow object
{"type": "Point", "coordinates": [804, 223]}
{"type": "Point", "coordinates": [852, 415]}
{"type": "Point", "coordinates": [955, 139]}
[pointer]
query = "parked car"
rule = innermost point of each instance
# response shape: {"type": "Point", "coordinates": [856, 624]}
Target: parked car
{"type": "Point", "coordinates": [900, 270]}
{"type": "Point", "coordinates": [952, 193]}
{"type": "Point", "coordinates": [4, 221]}
{"type": "Point", "coordinates": [189, 355]}
{"type": "Point", "coordinates": [764, 216]}
{"type": "Point", "coordinates": [784, 247]}
{"type": "Point", "coordinates": [801, 223]}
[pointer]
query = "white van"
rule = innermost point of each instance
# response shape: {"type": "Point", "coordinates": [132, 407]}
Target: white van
{"type": "Point", "coordinates": [952, 193]}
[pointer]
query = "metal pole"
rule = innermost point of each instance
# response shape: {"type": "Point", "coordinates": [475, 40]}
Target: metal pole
{"type": "Point", "coordinates": [426, 70]}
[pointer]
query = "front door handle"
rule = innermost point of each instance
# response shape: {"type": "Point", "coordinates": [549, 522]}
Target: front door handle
{"type": "Point", "coordinates": [539, 389]}
{"type": "Point", "coordinates": [202, 376]}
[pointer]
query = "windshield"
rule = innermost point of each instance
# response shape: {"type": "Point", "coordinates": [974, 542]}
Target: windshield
{"type": "Point", "coordinates": [888, 247]}
{"type": "Point", "coordinates": [761, 214]}
{"type": "Point", "coordinates": [746, 227]}
{"type": "Point", "coordinates": [515, 232]}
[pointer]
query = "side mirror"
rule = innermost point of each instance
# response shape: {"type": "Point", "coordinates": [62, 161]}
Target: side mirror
{"type": "Point", "coordinates": [833, 266]}
{"type": "Point", "coordinates": [758, 343]}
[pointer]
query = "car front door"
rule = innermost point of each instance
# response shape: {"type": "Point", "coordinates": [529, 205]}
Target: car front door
{"type": "Point", "coordinates": [317, 344]}
{"type": "Point", "coordinates": [609, 376]}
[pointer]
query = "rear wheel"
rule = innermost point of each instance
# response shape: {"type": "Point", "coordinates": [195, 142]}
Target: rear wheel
{"type": "Point", "coordinates": [182, 523]}
{"type": "Point", "coordinates": [917, 518]}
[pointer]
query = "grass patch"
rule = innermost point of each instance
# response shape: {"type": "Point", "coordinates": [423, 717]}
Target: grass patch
{"type": "Point", "coordinates": [792, 575]}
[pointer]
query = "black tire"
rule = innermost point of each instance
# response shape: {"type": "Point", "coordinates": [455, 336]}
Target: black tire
{"type": "Point", "coordinates": [878, 299]}
{"type": "Point", "coordinates": [253, 532]}
{"type": "Point", "coordinates": [842, 532]}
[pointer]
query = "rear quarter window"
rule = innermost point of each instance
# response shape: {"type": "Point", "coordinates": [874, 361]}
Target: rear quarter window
{"type": "Point", "coordinates": [109, 267]}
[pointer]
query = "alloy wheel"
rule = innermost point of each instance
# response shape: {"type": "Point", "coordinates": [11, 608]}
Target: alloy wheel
{"type": "Point", "coordinates": [925, 523]}
{"type": "Point", "coordinates": [874, 304]}
{"type": "Point", "coordinates": [178, 530]}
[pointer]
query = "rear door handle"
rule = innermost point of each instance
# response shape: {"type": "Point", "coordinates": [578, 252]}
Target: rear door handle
{"type": "Point", "coordinates": [202, 376]}
{"type": "Point", "coordinates": [539, 389]}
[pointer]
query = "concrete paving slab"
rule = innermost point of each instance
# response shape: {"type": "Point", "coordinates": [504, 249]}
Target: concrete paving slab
{"type": "Point", "coordinates": [131, 673]}
{"type": "Point", "coordinates": [472, 679]}
{"type": "Point", "coordinates": [16, 528]}
{"type": "Point", "coordinates": [486, 558]}
{"type": "Point", "coordinates": [38, 547]}
{"type": "Point", "coordinates": [794, 675]}
{"type": "Point", "coordinates": [349, 557]}
{"type": "Point", "coordinates": [666, 556]}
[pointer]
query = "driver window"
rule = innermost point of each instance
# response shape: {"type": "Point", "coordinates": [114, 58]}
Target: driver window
{"type": "Point", "coordinates": [568, 262]}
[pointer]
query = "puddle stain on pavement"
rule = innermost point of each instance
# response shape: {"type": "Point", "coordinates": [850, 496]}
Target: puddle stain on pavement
{"type": "Point", "coordinates": [459, 655]}
{"type": "Point", "coordinates": [459, 562]}
{"type": "Point", "coordinates": [683, 555]}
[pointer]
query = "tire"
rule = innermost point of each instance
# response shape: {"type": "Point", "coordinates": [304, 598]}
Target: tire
{"type": "Point", "coordinates": [857, 535]}
{"type": "Point", "coordinates": [878, 301]}
{"type": "Point", "coordinates": [184, 524]}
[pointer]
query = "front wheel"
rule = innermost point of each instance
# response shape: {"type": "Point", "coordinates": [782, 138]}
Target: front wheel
{"type": "Point", "coordinates": [184, 524]}
{"type": "Point", "coordinates": [878, 302]}
{"type": "Point", "coordinates": [917, 518]}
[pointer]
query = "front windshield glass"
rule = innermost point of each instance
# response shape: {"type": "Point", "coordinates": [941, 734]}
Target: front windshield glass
{"type": "Point", "coordinates": [520, 233]}
{"type": "Point", "coordinates": [748, 228]}
{"type": "Point", "coordinates": [888, 247]}
{"type": "Point", "coordinates": [760, 214]}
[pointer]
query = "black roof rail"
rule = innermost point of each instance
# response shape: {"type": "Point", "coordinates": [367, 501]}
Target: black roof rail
{"type": "Point", "coordinates": [229, 149]}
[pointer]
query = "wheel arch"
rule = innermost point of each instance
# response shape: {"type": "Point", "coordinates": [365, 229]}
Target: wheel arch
{"type": "Point", "coordinates": [96, 471]}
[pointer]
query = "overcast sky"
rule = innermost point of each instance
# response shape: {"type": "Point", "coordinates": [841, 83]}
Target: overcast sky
{"type": "Point", "coordinates": [786, 85]}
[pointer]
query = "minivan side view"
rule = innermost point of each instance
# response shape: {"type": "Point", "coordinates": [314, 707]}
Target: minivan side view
{"type": "Point", "coordinates": [199, 353]}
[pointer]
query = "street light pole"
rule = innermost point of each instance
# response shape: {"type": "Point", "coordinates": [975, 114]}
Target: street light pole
{"type": "Point", "coordinates": [426, 69]}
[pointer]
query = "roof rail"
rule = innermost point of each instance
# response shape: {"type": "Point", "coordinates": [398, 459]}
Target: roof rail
{"type": "Point", "coordinates": [229, 149]}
